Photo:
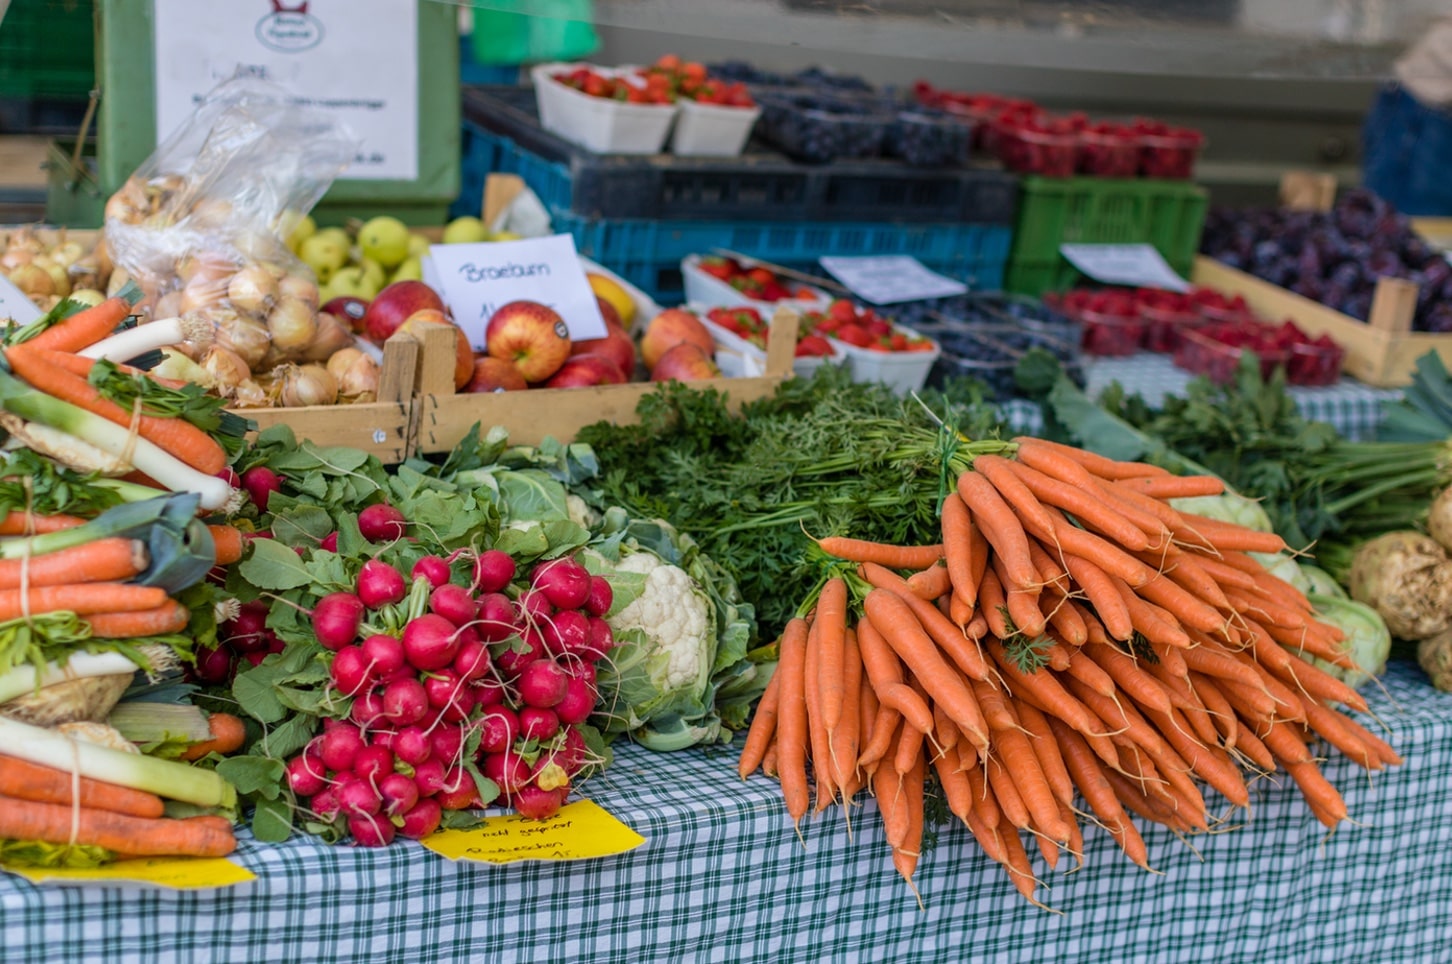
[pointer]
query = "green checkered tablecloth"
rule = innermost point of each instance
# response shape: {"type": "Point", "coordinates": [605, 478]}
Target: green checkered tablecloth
{"type": "Point", "coordinates": [723, 878]}
{"type": "Point", "coordinates": [1351, 406]}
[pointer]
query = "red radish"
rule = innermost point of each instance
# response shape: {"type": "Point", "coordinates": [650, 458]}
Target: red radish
{"type": "Point", "coordinates": [422, 820]}
{"type": "Point", "coordinates": [230, 476]}
{"type": "Point", "coordinates": [568, 631]}
{"type": "Point", "coordinates": [443, 688]}
{"type": "Point", "coordinates": [329, 543]}
{"type": "Point", "coordinates": [535, 607]}
{"type": "Point", "coordinates": [528, 648]}
{"type": "Point", "coordinates": [564, 582]}
{"type": "Point", "coordinates": [371, 830]}
{"type": "Point", "coordinates": [472, 661]}
{"type": "Point", "coordinates": [602, 639]}
{"type": "Point", "coordinates": [340, 746]}
{"type": "Point", "coordinates": [303, 777]}
{"type": "Point", "coordinates": [488, 692]}
{"type": "Point", "coordinates": [507, 769]}
{"type": "Point", "coordinates": [578, 703]}
{"type": "Point", "coordinates": [336, 619]}
{"type": "Point", "coordinates": [493, 570]}
{"type": "Point", "coordinates": [453, 603]}
{"type": "Point", "coordinates": [459, 791]}
{"type": "Point", "coordinates": [213, 665]}
{"type": "Point", "coordinates": [357, 797]}
{"type": "Point", "coordinates": [538, 723]}
{"type": "Point", "coordinates": [429, 775]}
{"type": "Point", "coordinates": [532, 803]}
{"type": "Point", "coordinates": [384, 655]}
{"type": "Point", "coordinates": [325, 805]}
{"type": "Point", "coordinates": [542, 683]}
{"type": "Point", "coordinates": [432, 568]}
{"type": "Point", "coordinates": [405, 702]}
{"type": "Point", "coordinates": [601, 597]}
{"type": "Point", "coordinates": [430, 642]}
{"type": "Point", "coordinates": [497, 617]}
{"type": "Point", "coordinates": [446, 741]}
{"type": "Point", "coordinates": [248, 632]}
{"type": "Point", "coordinates": [398, 792]}
{"type": "Point", "coordinates": [275, 645]}
{"type": "Point", "coordinates": [350, 671]}
{"type": "Point", "coordinates": [367, 708]}
{"type": "Point", "coordinates": [372, 763]}
{"type": "Point", "coordinates": [254, 658]}
{"type": "Point", "coordinates": [381, 522]}
{"type": "Point", "coordinates": [411, 745]}
{"type": "Point", "coordinates": [379, 584]}
{"type": "Point", "coordinates": [571, 754]}
{"type": "Point", "coordinates": [383, 738]}
{"type": "Point", "coordinates": [498, 729]}
{"type": "Point", "coordinates": [260, 482]}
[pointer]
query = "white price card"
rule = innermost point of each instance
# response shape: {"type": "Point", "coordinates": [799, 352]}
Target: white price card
{"type": "Point", "coordinates": [475, 279]}
{"type": "Point", "coordinates": [14, 305]}
{"type": "Point", "coordinates": [891, 279]}
{"type": "Point", "coordinates": [1139, 265]}
{"type": "Point", "coordinates": [355, 58]}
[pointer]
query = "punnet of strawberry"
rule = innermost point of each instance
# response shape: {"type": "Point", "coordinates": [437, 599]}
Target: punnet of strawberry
{"type": "Point", "coordinates": [689, 80]}
{"type": "Point", "coordinates": [654, 89]}
{"type": "Point", "coordinates": [756, 282]}
{"type": "Point", "coordinates": [747, 324]}
{"type": "Point", "coordinates": [862, 327]}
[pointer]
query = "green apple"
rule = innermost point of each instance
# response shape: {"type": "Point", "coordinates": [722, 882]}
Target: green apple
{"type": "Point", "coordinates": [374, 272]}
{"type": "Point", "coordinates": [352, 282]}
{"type": "Point", "coordinates": [418, 245]}
{"type": "Point", "coordinates": [305, 229]}
{"type": "Point", "coordinates": [324, 254]}
{"type": "Point", "coordinates": [385, 240]}
{"type": "Point", "coordinates": [505, 236]}
{"type": "Point", "coordinates": [338, 234]}
{"type": "Point", "coordinates": [410, 270]}
{"type": "Point", "coordinates": [465, 230]}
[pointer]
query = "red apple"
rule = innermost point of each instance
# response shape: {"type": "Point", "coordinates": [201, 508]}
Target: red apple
{"type": "Point", "coordinates": [608, 312]}
{"type": "Point", "coordinates": [616, 346]}
{"type": "Point", "coordinates": [494, 375]}
{"type": "Point", "coordinates": [348, 310]}
{"type": "Point", "coordinates": [463, 353]}
{"type": "Point", "coordinates": [684, 363]}
{"type": "Point", "coordinates": [530, 336]}
{"type": "Point", "coordinates": [586, 370]}
{"type": "Point", "coordinates": [393, 306]}
{"type": "Point", "coordinates": [668, 329]}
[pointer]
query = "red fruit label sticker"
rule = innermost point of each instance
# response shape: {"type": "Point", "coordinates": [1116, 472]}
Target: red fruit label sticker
{"type": "Point", "coordinates": [579, 831]}
{"type": "Point", "coordinates": [562, 329]}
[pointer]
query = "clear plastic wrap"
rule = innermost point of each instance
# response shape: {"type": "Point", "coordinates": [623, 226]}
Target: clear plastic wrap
{"type": "Point", "coordinates": [201, 226]}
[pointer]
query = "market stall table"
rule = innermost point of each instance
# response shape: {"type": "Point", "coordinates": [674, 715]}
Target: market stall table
{"type": "Point", "coordinates": [722, 877]}
{"type": "Point", "coordinates": [1352, 407]}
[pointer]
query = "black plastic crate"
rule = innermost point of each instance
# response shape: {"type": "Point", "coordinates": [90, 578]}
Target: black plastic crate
{"type": "Point", "coordinates": [758, 185]}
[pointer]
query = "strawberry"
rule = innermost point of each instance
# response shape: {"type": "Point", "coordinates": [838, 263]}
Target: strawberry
{"type": "Point", "coordinates": [761, 275]}
{"type": "Point", "coordinates": [813, 346]}
{"type": "Point", "coordinates": [854, 334]}
{"type": "Point", "coordinates": [719, 267]}
{"type": "Point", "coordinates": [842, 311]}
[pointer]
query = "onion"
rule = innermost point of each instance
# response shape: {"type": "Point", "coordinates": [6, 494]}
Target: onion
{"type": "Point", "coordinates": [360, 379]}
{"type": "Point", "coordinates": [67, 253]}
{"type": "Point", "coordinates": [1407, 578]}
{"type": "Point", "coordinates": [32, 280]}
{"type": "Point", "coordinates": [251, 395]}
{"type": "Point", "coordinates": [291, 324]}
{"type": "Point", "coordinates": [226, 369]}
{"type": "Point", "coordinates": [177, 364]}
{"type": "Point", "coordinates": [299, 287]}
{"type": "Point", "coordinates": [202, 292]}
{"type": "Point", "coordinates": [14, 258]}
{"type": "Point", "coordinates": [247, 339]}
{"type": "Point", "coordinates": [87, 296]}
{"type": "Point", "coordinates": [169, 305]}
{"type": "Point", "coordinates": [340, 360]}
{"type": "Point", "coordinates": [59, 276]}
{"type": "Point", "coordinates": [86, 273]}
{"type": "Point", "coordinates": [206, 265]}
{"type": "Point", "coordinates": [212, 211]}
{"type": "Point", "coordinates": [117, 281]}
{"type": "Point", "coordinates": [332, 336]}
{"type": "Point", "coordinates": [303, 385]}
{"type": "Point", "coordinates": [252, 290]}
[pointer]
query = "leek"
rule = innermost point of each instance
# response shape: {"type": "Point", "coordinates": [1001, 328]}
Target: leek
{"type": "Point", "coordinates": [175, 781]}
{"type": "Point", "coordinates": [162, 333]}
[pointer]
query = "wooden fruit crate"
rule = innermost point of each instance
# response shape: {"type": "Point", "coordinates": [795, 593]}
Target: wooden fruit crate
{"type": "Point", "coordinates": [444, 418]}
{"type": "Point", "coordinates": [1381, 351]}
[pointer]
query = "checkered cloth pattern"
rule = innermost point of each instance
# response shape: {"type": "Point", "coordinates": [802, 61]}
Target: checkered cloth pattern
{"type": "Point", "coordinates": [722, 877]}
{"type": "Point", "coordinates": [1352, 407]}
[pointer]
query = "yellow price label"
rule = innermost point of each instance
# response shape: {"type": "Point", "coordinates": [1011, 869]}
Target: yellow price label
{"type": "Point", "coordinates": [580, 831]}
{"type": "Point", "coordinates": [174, 873]}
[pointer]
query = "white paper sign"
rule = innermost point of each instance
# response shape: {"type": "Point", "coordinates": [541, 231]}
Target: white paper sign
{"type": "Point", "coordinates": [1139, 265]}
{"type": "Point", "coordinates": [15, 305]}
{"type": "Point", "coordinates": [475, 279]}
{"type": "Point", "coordinates": [357, 58]}
{"type": "Point", "coordinates": [890, 279]}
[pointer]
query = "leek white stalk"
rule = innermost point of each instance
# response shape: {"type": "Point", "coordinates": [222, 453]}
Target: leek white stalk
{"type": "Point", "coordinates": [23, 679]}
{"type": "Point", "coordinates": [174, 781]}
{"type": "Point", "coordinates": [162, 333]}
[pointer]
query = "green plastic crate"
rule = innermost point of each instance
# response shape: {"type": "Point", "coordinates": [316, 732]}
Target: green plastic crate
{"type": "Point", "coordinates": [47, 49]}
{"type": "Point", "coordinates": [73, 198]}
{"type": "Point", "coordinates": [1051, 212]}
{"type": "Point", "coordinates": [126, 121]}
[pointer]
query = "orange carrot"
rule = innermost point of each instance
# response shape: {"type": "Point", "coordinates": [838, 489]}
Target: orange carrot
{"type": "Point", "coordinates": [1325, 802]}
{"type": "Point", "coordinates": [1185, 608]}
{"type": "Point", "coordinates": [993, 604]}
{"type": "Point", "coordinates": [1068, 538]}
{"type": "Point", "coordinates": [81, 598]}
{"type": "Point", "coordinates": [228, 735]}
{"type": "Point", "coordinates": [884, 670]}
{"type": "Point", "coordinates": [817, 742]}
{"type": "Point", "coordinates": [960, 613]}
{"type": "Point", "coordinates": [1006, 792]}
{"type": "Point", "coordinates": [1227, 535]}
{"type": "Point", "coordinates": [1105, 468]}
{"type": "Point", "coordinates": [763, 728]}
{"type": "Point", "coordinates": [1022, 766]}
{"type": "Point", "coordinates": [1150, 620]}
{"type": "Point", "coordinates": [832, 620]}
{"type": "Point", "coordinates": [1332, 727]}
{"type": "Point", "coordinates": [1173, 486]}
{"type": "Point", "coordinates": [1022, 605]}
{"type": "Point", "coordinates": [1003, 530]}
{"type": "Point", "coordinates": [31, 781]}
{"type": "Point", "coordinates": [947, 636]}
{"type": "Point", "coordinates": [1064, 617]}
{"type": "Point", "coordinates": [1097, 791]}
{"type": "Point", "coordinates": [134, 836]}
{"type": "Point", "coordinates": [1049, 693]}
{"type": "Point", "coordinates": [909, 750]}
{"type": "Point", "coordinates": [894, 557]}
{"type": "Point", "coordinates": [17, 523]}
{"type": "Point", "coordinates": [1047, 749]}
{"type": "Point", "coordinates": [945, 731]}
{"type": "Point", "coordinates": [1130, 677]}
{"type": "Point", "coordinates": [229, 543]}
{"type": "Point", "coordinates": [1000, 472]}
{"type": "Point", "coordinates": [956, 789]}
{"type": "Point", "coordinates": [104, 560]}
{"type": "Point", "coordinates": [930, 583]}
{"type": "Point", "coordinates": [170, 617]}
{"type": "Point", "coordinates": [791, 724]}
{"type": "Point", "coordinates": [84, 328]}
{"type": "Point", "coordinates": [1092, 511]}
{"type": "Point", "coordinates": [846, 736]}
{"type": "Point", "coordinates": [1207, 763]}
{"type": "Point", "coordinates": [994, 704]}
{"type": "Point", "coordinates": [958, 548]}
{"type": "Point", "coordinates": [1017, 863]}
{"type": "Point", "coordinates": [905, 856]}
{"type": "Point", "coordinates": [1097, 587]}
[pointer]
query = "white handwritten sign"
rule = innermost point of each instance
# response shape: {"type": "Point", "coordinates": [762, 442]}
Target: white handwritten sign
{"type": "Point", "coordinates": [891, 279]}
{"type": "Point", "coordinates": [1140, 265]}
{"type": "Point", "coordinates": [475, 279]}
{"type": "Point", "coordinates": [14, 305]}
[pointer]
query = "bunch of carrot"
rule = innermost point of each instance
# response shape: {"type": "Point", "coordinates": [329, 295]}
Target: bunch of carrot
{"type": "Point", "coordinates": [1071, 632]}
{"type": "Point", "coordinates": [52, 806]}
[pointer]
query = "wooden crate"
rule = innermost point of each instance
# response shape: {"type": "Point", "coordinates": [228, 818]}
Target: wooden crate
{"type": "Point", "coordinates": [1381, 351]}
{"type": "Point", "coordinates": [444, 418]}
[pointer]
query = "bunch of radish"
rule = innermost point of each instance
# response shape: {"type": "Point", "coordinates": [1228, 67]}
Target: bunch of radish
{"type": "Point", "coordinates": [244, 637]}
{"type": "Point", "coordinates": [494, 676]}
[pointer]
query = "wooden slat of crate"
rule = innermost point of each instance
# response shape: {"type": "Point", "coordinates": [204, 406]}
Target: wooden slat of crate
{"type": "Point", "coordinates": [1381, 351]}
{"type": "Point", "coordinates": [530, 416]}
